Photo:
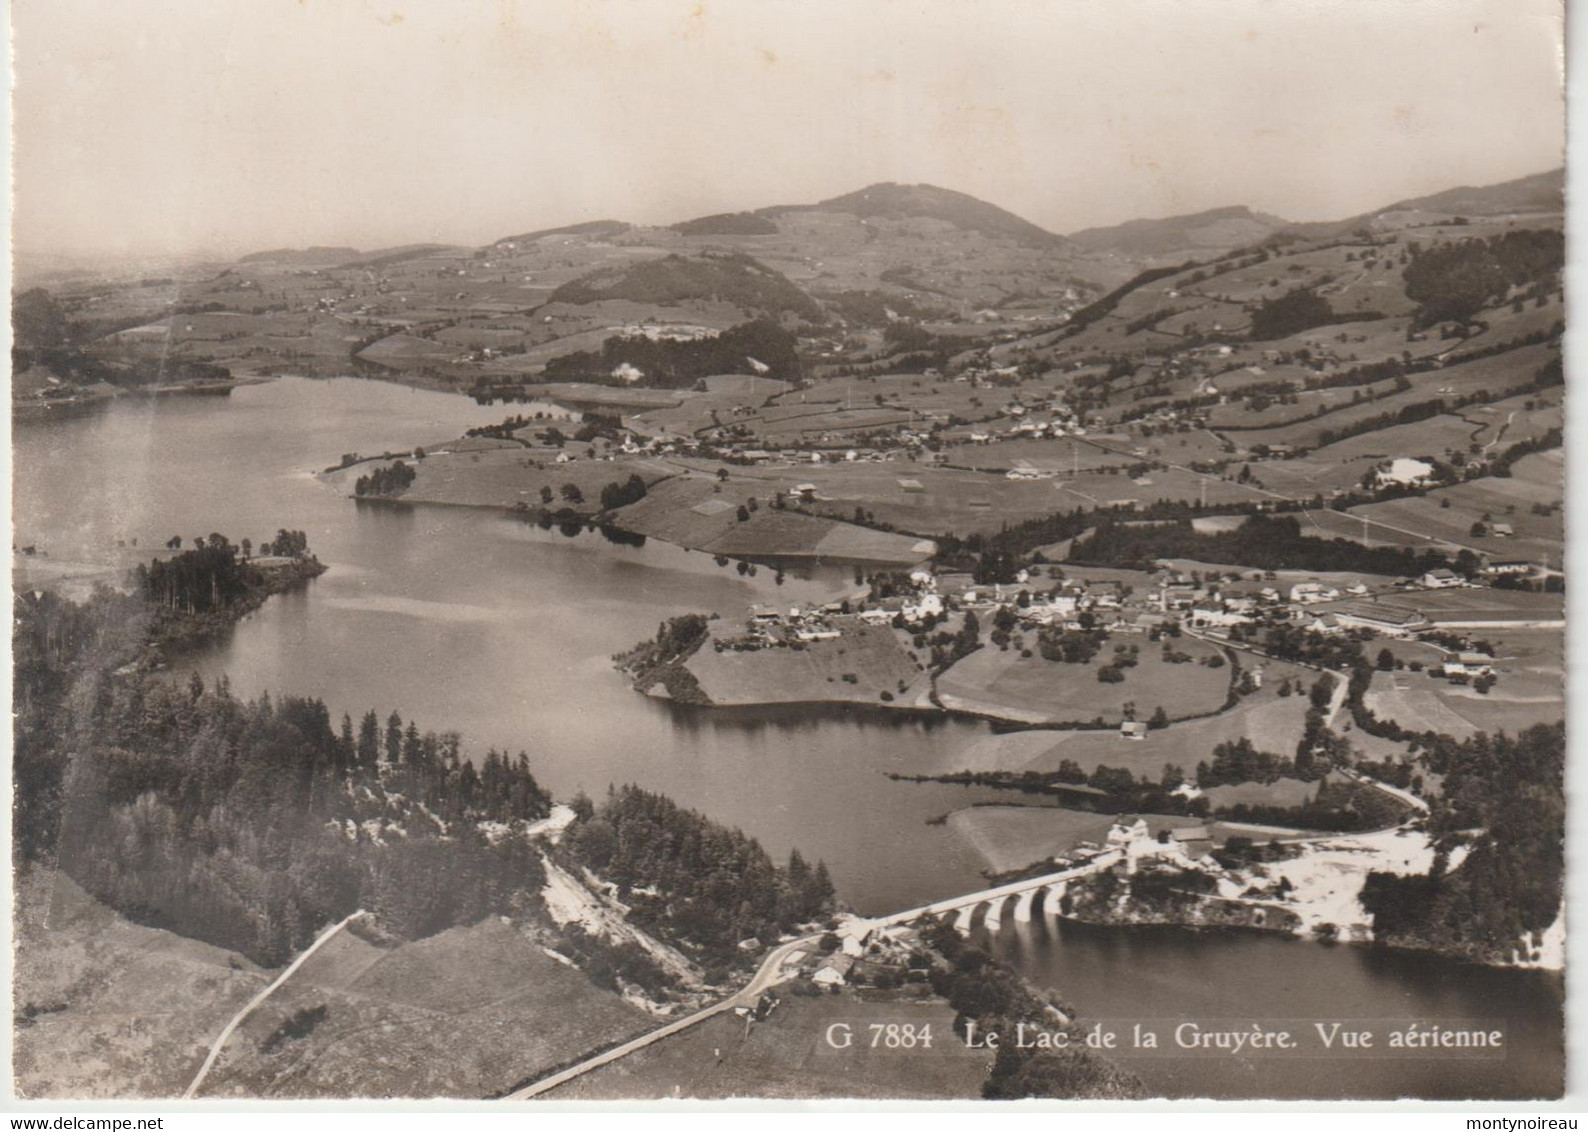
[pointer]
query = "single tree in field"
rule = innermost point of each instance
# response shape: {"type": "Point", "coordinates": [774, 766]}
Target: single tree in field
{"type": "Point", "coordinates": [571, 492]}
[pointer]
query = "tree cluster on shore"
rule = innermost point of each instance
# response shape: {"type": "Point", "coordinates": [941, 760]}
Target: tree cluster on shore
{"type": "Point", "coordinates": [385, 482]}
{"type": "Point", "coordinates": [996, 1000]}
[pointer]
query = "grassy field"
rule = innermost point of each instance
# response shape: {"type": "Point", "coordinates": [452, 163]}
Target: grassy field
{"type": "Point", "coordinates": [1487, 604]}
{"type": "Point", "coordinates": [1004, 684]}
{"type": "Point", "coordinates": [400, 350]}
{"type": "Point", "coordinates": [871, 654]}
{"type": "Point", "coordinates": [505, 476]}
{"type": "Point", "coordinates": [787, 1057]}
{"type": "Point", "coordinates": [1055, 454]}
{"type": "Point", "coordinates": [1530, 689]}
{"type": "Point", "coordinates": [725, 400]}
{"type": "Point", "coordinates": [913, 497]}
{"type": "Point", "coordinates": [467, 1013]}
{"type": "Point", "coordinates": [699, 511]}
{"type": "Point", "coordinates": [1536, 536]}
{"type": "Point", "coordinates": [117, 1009]}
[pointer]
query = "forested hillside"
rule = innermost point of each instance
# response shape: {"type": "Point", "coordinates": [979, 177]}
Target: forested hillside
{"type": "Point", "coordinates": [668, 364]}
{"type": "Point", "coordinates": [689, 878]}
{"type": "Point", "coordinates": [1512, 788]}
{"type": "Point", "coordinates": [250, 825]}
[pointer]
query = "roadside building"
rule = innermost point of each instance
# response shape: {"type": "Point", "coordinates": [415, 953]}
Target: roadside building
{"type": "Point", "coordinates": [1476, 664]}
{"type": "Point", "coordinates": [1507, 566]}
{"type": "Point", "coordinates": [1388, 619]}
{"type": "Point", "coordinates": [833, 971]}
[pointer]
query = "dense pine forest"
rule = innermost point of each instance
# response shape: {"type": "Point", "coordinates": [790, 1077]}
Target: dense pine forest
{"type": "Point", "coordinates": [689, 878]}
{"type": "Point", "coordinates": [248, 824]}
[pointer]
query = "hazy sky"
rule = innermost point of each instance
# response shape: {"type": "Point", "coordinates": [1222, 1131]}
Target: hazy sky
{"type": "Point", "coordinates": [233, 125]}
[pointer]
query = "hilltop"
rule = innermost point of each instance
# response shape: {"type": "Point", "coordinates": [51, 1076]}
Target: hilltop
{"type": "Point", "coordinates": [890, 201]}
{"type": "Point", "coordinates": [1534, 194]}
{"type": "Point", "coordinates": [593, 228]}
{"type": "Point", "coordinates": [304, 257]}
{"type": "Point", "coordinates": [1215, 230]}
{"type": "Point", "coordinates": [733, 278]}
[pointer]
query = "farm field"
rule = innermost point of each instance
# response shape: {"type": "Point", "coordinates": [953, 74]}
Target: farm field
{"type": "Point", "coordinates": [1496, 376]}
{"type": "Point", "coordinates": [787, 1057]}
{"type": "Point", "coordinates": [1329, 524]}
{"type": "Point", "coordinates": [1342, 465]}
{"type": "Point", "coordinates": [1005, 685]}
{"type": "Point", "coordinates": [1237, 421]}
{"type": "Point", "coordinates": [726, 398]}
{"type": "Point", "coordinates": [440, 1017]}
{"type": "Point", "coordinates": [1171, 448]}
{"type": "Point", "coordinates": [1270, 721]}
{"type": "Point", "coordinates": [1172, 484]}
{"type": "Point", "coordinates": [1516, 419]}
{"type": "Point", "coordinates": [400, 350]}
{"type": "Point", "coordinates": [689, 510]}
{"type": "Point", "coordinates": [1536, 537]}
{"type": "Point", "coordinates": [1055, 455]}
{"type": "Point", "coordinates": [1420, 702]}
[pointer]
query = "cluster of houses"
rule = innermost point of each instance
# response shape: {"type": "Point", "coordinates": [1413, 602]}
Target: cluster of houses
{"type": "Point", "coordinates": [864, 952]}
{"type": "Point", "coordinates": [1217, 606]}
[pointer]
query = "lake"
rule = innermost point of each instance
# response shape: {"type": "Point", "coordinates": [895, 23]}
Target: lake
{"type": "Point", "coordinates": [480, 623]}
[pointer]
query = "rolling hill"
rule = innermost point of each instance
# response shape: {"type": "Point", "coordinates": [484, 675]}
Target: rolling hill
{"type": "Point", "coordinates": [892, 201]}
{"type": "Point", "coordinates": [1215, 230]}
{"type": "Point", "coordinates": [732, 277]}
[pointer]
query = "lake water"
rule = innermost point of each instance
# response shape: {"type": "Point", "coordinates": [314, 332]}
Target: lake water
{"type": "Point", "coordinates": [469, 621]}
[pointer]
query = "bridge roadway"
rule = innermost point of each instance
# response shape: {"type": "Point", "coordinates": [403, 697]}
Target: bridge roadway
{"type": "Point", "coordinates": [1002, 892]}
{"type": "Point", "coordinates": [771, 969]}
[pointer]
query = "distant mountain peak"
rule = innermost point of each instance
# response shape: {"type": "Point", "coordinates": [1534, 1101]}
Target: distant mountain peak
{"type": "Point", "coordinates": [891, 200]}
